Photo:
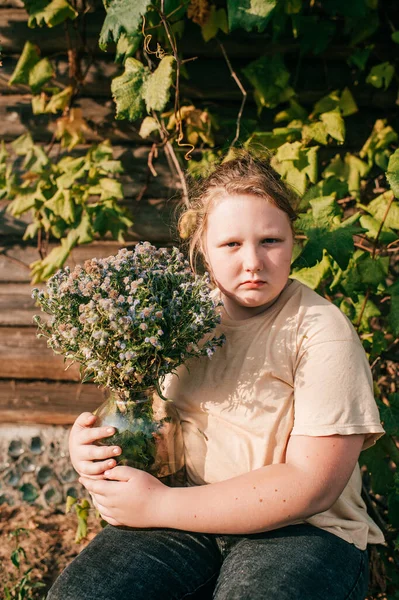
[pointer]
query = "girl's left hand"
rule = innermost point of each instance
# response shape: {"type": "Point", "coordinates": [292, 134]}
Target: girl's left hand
{"type": "Point", "coordinates": [127, 497]}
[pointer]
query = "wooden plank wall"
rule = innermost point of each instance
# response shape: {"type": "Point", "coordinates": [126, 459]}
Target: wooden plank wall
{"type": "Point", "coordinates": [34, 386]}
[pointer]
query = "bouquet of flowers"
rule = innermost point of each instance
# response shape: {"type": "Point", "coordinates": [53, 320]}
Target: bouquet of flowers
{"type": "Point", "coordinates": [129, 320]}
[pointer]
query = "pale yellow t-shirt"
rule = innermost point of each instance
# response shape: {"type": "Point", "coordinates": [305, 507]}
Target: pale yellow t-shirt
{"type": "Point", "coordinates": [296, 369]}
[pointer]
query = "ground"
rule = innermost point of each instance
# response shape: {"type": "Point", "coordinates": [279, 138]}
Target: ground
{"type": "Point", "coordinates": [48, 543]}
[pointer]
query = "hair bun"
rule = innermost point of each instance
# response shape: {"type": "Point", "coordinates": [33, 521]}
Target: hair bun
{"type": "Point", "coordinates": [187, 223]}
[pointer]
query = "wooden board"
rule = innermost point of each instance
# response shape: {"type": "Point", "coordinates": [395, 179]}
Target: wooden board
{"type": "Point", "coordinates": [24, 356]}
{"type": "Point", "coordinates": [47, 403]}
{"type": "Point", "coordinates": [17, 306]}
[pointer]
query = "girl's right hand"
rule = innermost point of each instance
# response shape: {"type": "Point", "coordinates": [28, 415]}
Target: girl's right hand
{"type": "Point", "coordinates": [88, 459]}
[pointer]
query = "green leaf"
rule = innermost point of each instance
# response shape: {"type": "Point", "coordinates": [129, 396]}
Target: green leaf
{"type": "Point", "coordinates": [127, 90]}
{"type": "Point", "coordinates": [334, 123]}
{"type": "Point", "coordinates": [148, 126]}
{"type": "Point", "coordinates": [381, 75]}
{"type": "Point", "coordinates": [390, 414]}
{"type": "Point", "coordinates": [127, 46]}
{"type": "Point", "coordinates": [372, 227]}
{"type": "Point", "coordinates": [289, 151]}
{"type": "Point", "coordinates": [123, 17]}
{"type": "Point", "coordinates": [315, 131]}
{"type": "Point", "coordinates": [338, 243]}
{"type": "Point", "coordinates": [111, 188]}
{"type": "Point", "coordinates": [24, 200]}
{"type": "Point", "coordinates": [111, 166]}
{"type": "Point", "coordinates": [360, 57]}
{"type": "Point", "coordinates": [294, 112]}
{"type": "Point", "coordinates": [393, 317]}
{"type": "Point", "coordinates": [42, 269]}
{"type": "Point", "coordinates": [393, 173]}
{"type": "Point", "coordinates": [70, 501]}
{"type": "Point", "coordinates": [50, 13]}
{"type": "Point", "coordinates": [29, 58]}
{"type": "Point", "coordinates": [23, 144]}
{"type": "Point", "coordinates": [324, 209]}
{"type": "Point", "coordinates": [62, 205]}
{"type": "Point", "coordinates": [378, 207]}
{"type": "Point", "coordinates": [270, 78]}
{"type": "Point", "coordinates": [40, 74]}
{"type": "Point", "coordinates": [347, 103]}
{"type": "Point", "coordinates": [378, 468]}
{"type": "Point", "coordinates": [327, 103]}
{"type": "Point", "coordinates": [395, 37]}
{"type": "Point", "coordinates": [351, 170]}
{"type": "Point", "coordinates": [83, 233]}
{"type": "Point", "coordinates": [217, 20]}
{"type": "Point", "coordinates": [249, 14]}
{"type": "Point", "coordinates": [59, 101]}
{"type": "Point", "coordinates": [156, 89]}
{"type": "Point", "coordinates": [380, 139]}
{"type": "Point", "coordinates": [314, 33]}
{"type": "Point", "coordinates": [313, 276]}
{"type": "Point", "coordinates": [373, 271]}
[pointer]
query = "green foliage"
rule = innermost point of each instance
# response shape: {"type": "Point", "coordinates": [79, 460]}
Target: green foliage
{"type": "Point", "coordinates": [250, 14]}
{"type": "Point", "coordinates": [347, 230]}
{"type": "Point", "coordinates": [127, 90]}
{"type": "Point", "coordinates": [123, 17]}
{"type": "Point", "coordinates": [43, 12]}
{"type": "Point", "coordinates": [269, 77]}
{"type": "Point", "coordinates": [23, 588]}
{"type": "Point", "coordinates": [72, 199]}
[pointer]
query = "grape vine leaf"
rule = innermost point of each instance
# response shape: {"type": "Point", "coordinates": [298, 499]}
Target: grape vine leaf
{"type": "Point", "coordinates": [313, 276]}
{"type": "Point", "coordinates": [123, 16]}
{"type": "Point", "coordinates": [49, 13]}
{"type": "Point", "coordinates": [334, 124]}
{"type": "Point", "coordinates": [148, 126]}
{"type": "Point", "coordinates": [127, 46]}
{"type": "Point", "coordinates": [59, 100]}
{"type": "Point", "coordinates": [127, 90]}
{"type": "Point", "coordinates": [378, 468]}
{"type": "Point", "coordinates": [40, 73]}
{"type": "Point", "coordinates": [378, 207]}
{"type": "Point", "coordinates": [249, 14]}
{"type": "Point", "coordinates": [217, 20]}
{"type": "Point", "coordinates": [30, 56]}
{"type": "Point", "coordinates": [381, 75]}
{"type": "Point", "coordinates": [270, 78]}
{"type": "Point", "coordinates": [156, 88]}
{"type": "Point", "coordinates": [393, 173]}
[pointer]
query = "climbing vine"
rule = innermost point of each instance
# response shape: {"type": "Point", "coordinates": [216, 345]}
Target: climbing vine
{"type": "Point", "coordinates": [347, 240]}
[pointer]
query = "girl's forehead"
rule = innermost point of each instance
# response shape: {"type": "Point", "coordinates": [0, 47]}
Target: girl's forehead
{"type": "Point", "coordinates": [244, 206]}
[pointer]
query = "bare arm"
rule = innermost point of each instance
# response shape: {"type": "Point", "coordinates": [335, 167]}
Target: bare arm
{"type": "Point", "coordinates": [315, 473]}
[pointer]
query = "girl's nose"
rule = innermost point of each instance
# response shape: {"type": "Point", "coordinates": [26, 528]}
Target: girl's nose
{"type": "Point", "coordinates": [252, 261]}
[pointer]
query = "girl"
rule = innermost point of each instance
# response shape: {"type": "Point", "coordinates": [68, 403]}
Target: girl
{"type": "Point", "coordinates": [273, 426]}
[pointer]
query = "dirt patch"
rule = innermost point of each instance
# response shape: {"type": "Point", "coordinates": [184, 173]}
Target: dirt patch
{"type": "Point", "coordinates": [48, 546]}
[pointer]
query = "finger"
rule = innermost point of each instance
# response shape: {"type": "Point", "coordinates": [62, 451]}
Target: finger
{"type": "Point", "coordinates": [120, 473]}
{"type": "Point", "coordinates": [92, 452]}
{"type": "Point", "coordinates": [86, 419]}
{"type": "Point", "coordinates": [99, 487]}
{"type": "Point", "coordinates": [96, 468]}
{"type": "Point", "coordinates": [92, 434]}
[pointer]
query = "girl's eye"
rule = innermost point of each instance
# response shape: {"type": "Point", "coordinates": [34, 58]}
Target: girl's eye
{"type": "Point", "coordinates": [270, 241]}
{"type": "Point", "coordinates": [231, 244]}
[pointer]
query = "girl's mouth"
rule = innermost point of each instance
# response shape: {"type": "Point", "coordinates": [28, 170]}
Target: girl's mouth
{"type": "Point", "coordinates": [253, 284]}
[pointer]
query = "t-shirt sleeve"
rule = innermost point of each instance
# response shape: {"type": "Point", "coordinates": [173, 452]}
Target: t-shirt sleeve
{"type": "Point", "coordinates": [333, 392]}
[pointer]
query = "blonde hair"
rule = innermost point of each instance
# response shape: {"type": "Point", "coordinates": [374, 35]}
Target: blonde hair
{"type": "Point", "coordinates": [243, 174]}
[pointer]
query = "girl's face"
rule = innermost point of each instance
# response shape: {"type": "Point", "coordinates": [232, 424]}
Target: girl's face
{"type": "Point", "coordinates": [248, 247]}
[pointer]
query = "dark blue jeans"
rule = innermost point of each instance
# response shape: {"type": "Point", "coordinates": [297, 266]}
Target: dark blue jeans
{"type": "Point", "coordinates": [299, 562]}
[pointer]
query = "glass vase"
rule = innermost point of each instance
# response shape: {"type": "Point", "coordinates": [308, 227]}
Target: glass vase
{"type": "Point", "coordinates": [148, 431]}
